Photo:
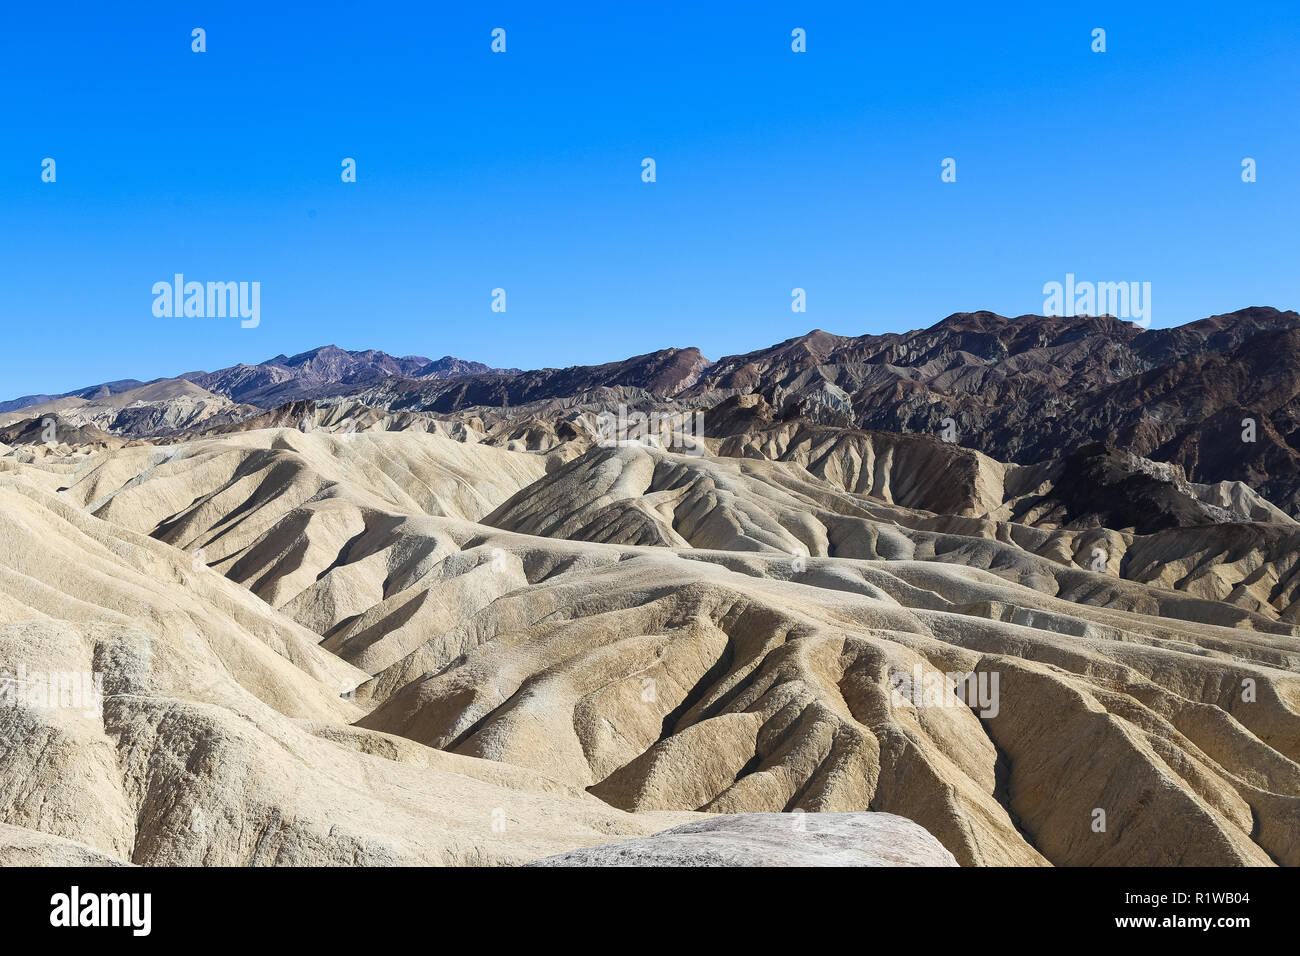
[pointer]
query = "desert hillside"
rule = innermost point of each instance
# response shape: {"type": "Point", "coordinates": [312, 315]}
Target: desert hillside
{"type": "Point", "coordinates": [444, 618]}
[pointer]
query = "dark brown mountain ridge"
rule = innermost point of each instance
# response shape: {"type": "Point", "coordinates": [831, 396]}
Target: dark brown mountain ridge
{"type": "Point", "coordinates": [1220, 397]}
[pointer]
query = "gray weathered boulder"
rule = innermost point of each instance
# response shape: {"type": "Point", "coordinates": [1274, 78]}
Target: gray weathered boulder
{"type": "Point", "coordinates": [772, 839]}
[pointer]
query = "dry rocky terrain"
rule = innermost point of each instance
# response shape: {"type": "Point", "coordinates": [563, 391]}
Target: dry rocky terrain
{"type": "Point", "coordinates": [440, 620]}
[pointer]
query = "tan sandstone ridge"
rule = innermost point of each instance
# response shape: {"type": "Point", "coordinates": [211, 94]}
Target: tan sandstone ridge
{"type": "Point", "coordinates": [223, 737]}
{"type": "Point", "coordinates": [153, 409]}
{"type": "Point", "coordinates": [548, 656]}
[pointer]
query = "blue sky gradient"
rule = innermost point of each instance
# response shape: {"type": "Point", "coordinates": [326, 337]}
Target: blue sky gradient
{"type": "Point", "coordinates": [523, 171]}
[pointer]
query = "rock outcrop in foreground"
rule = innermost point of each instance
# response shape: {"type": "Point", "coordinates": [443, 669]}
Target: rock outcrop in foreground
{"type": "Point", "coordinates": [773, 839]}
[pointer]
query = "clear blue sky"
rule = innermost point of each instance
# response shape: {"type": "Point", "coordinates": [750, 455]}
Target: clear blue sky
{"type": "Point", "coordinates": [523, 171]}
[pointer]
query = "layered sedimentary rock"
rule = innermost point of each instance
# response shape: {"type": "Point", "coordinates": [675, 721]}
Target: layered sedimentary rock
{"type": "Point", "coordinates": [406, 625]}
{"type": "Point", "coordinates": [409, 633]}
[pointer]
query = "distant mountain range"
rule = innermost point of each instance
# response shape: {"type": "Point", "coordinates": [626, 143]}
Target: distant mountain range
{"type": "Point", "coordinates": [326, 372]}
{"type": "Point", "coordinates": [318, 373]}
{"type": "Point", "coordinates": [1220, 397]}
{"type": "Point", "coordinates": [93, 391]}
